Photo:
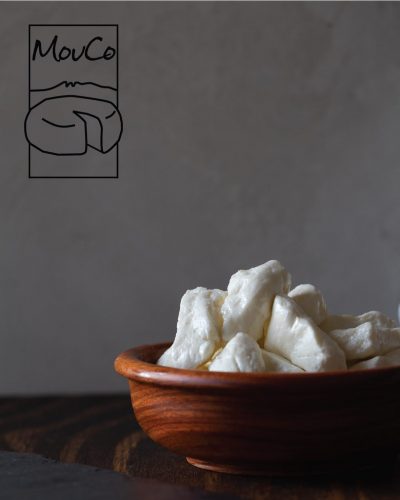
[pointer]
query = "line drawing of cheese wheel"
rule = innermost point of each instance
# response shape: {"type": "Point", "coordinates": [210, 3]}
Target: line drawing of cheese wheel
{"type": "Point", "coordinates": [69, 124]}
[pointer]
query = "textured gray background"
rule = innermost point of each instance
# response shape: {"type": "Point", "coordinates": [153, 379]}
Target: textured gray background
{"type": "Point", "coordinates": [252, 131]}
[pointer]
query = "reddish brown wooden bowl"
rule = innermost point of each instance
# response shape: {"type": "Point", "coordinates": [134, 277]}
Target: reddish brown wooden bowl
{"type": "Point", "coordinates": [266, 423]}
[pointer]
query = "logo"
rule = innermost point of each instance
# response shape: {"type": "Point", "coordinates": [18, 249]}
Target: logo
{"type": "Point", "coordinates": [73, 125]}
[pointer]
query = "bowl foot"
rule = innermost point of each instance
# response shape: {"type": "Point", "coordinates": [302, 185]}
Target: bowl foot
{"type": "Point", "coordinates": [356, 466]}
{"type": "Point", "coordinates": [228, 469]}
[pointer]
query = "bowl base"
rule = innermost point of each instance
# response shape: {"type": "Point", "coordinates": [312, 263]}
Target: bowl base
{"type": "Point", "coordinates": [296, 469]}
{"type": "Point", "coordinates": [227, 469]}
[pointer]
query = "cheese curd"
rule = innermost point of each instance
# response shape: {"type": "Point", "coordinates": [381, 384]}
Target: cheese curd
{"type": "Point", "coordinates": [260, 325]}
{"type": "Point", "coordinates": [293, 335]}
{"type": "Point", "coordinates": [390, 359]}
{"type": "Point", "coordinates": [198, 329]}
{"type": "Point", "coordinates": [343, 321]}
{"type": "Point", "coordinates": [275, 363]}
{"type": "Point", "coordinates": [241, 354]}
{"type": "Point", "coordinates": [250, 295]}
{"type": "Point", "coordinates": [310, 299]}
{"type": "Point", "coordinates": [366, 340]}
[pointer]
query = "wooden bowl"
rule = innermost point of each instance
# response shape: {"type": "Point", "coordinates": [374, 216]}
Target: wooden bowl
{"type": "Point", "coordinates": [266, 423]}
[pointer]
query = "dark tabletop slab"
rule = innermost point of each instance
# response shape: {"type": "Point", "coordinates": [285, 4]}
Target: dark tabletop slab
{"type": "Point", "coordinates": [102, 432]}
{"type": "Point", "coordinates": [32, 477]}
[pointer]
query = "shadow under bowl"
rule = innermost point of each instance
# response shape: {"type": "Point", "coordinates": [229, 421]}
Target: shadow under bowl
{"type": "Point", "coordinates": [266, 423]}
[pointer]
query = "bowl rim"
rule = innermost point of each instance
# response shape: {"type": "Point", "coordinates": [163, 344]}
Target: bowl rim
{"type": "Point", "coordinates": [131, 364]}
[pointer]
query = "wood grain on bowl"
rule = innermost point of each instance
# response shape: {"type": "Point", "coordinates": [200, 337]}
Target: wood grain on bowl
{"type": "Point", "coordinates": [266, 423]}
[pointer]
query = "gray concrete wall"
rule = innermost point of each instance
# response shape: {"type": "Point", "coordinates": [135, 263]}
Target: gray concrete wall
{"type": "Point", "coordinates": [252, 131]}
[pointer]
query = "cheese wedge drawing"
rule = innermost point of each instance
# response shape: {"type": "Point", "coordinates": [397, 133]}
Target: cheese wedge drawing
{"type": "Point", "coordinates": [68, 125]}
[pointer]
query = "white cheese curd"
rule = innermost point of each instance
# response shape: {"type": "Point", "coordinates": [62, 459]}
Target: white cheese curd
{"type": "Point", "coordinates": [250, 295]}
{"type": "Point", "coordinates": [390, 359]}
{"type": "Point", "coordinates": [344, 321]}
{"type": "Point", "coordinates": [310, 299]}
{"type": "Point", "coordinates": [241, 354]}
{"type": "Point", "coordinates": [275, 363]}
{"type": "Point", "coordinates": [293, 335]}
{"type": "Point", "coordinates": [366, 340]}
{"type": "Point", "coordinates": [198, 332]}
{"type": "Point", "coordinates": [259, 325]}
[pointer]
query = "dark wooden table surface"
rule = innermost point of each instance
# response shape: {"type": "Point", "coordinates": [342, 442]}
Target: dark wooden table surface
{"type": "Point", "coordinates": [101, 431]}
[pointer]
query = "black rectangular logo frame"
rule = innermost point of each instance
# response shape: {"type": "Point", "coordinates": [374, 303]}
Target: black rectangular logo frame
{"type": "Point", "coordinates": [29, 106]}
